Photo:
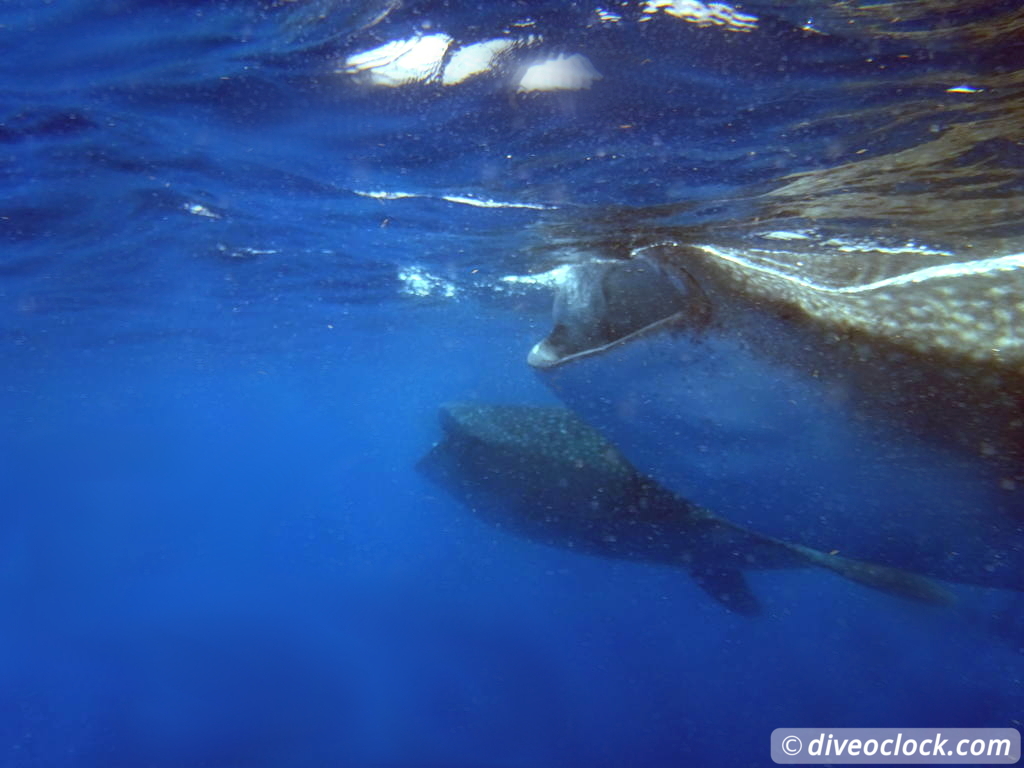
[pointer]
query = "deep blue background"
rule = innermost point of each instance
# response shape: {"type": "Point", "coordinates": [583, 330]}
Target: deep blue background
{"type": "Point", "coordinates": [214, 550]}
{"type": "Point", "coordinates": [226, 559]}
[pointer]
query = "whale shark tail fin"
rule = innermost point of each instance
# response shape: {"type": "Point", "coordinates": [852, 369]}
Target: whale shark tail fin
{"type": "Point", "coordinates": [729, 588]}
{"type": "Point", "coordinates": [910, 586]}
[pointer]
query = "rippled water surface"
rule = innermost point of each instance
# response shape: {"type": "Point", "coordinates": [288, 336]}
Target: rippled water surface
{"type": "Point", "coordinates": [247, 249]}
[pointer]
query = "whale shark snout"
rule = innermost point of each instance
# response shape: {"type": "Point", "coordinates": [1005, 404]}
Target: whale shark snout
{"type": "Point", "coordinates": [607, 302]}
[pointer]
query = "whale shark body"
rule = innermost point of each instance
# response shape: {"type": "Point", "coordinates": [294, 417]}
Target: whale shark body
{"type": "Point", "coordinates": [836, 402]}
{"type": "Point", "coordinates": [544, 474]}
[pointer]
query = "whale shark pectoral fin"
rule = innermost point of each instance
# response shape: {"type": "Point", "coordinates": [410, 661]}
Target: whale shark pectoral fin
{"type": "Point", "coordinates": [895, 581]}
{"type": "Point", "coordinates": [728, 587]}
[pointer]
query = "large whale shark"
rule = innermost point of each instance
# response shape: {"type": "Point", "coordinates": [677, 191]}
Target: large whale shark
{"type": "Point", "coordinates": [544, 474]}
{"type": "Point", "coordinates": [847, 403]}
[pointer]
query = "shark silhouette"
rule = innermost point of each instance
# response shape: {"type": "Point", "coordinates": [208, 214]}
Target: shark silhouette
{"type": "Point", "coordinates": [542, 473]}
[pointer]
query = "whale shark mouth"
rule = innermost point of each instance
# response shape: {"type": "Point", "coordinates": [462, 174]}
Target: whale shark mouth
{"type": "Point", "coordinates": [604, 303]}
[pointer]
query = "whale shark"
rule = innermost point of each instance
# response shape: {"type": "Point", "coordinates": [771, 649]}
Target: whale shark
{"type": "Point", "coordinates": [859, 402]}
{"type": "Point", "coordinates": [542, 473]}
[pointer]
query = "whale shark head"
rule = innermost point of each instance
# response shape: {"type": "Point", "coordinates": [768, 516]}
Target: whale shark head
{"type": "Point", "coordinates": [604, 303]}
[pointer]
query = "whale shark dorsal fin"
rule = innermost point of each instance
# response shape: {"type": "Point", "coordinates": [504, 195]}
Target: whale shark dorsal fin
{"type": "Point", "coordinates": [728, 587]}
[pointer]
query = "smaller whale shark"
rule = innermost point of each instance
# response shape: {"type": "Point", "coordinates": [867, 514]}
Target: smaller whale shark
{"type": "Point", "coordinates": [544, 474]}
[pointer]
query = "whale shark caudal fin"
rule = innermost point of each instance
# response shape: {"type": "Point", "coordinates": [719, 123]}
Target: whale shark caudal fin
{"type": "Point", "coordinates": [728, 587]}
{"type": "Point", "coordinates": [910, 586]}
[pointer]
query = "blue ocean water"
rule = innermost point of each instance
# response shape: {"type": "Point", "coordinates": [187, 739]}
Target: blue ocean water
{"type": "Point", "coordinates": [238, 277]}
